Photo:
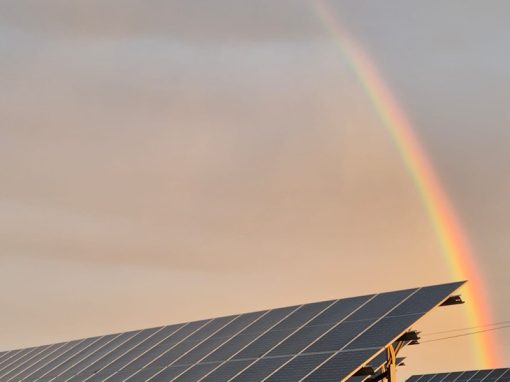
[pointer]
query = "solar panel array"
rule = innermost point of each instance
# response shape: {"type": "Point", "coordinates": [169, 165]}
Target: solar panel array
{"type": "Point", "coordinates": [488, 375]}
{"type": "Point", "coordinates": [322, 341]}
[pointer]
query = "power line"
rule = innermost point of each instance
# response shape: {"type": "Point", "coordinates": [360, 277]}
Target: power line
{"type": "Point", "coordinates": [466, 334]}
{"type": "Point", "coordinates": [467, 328]}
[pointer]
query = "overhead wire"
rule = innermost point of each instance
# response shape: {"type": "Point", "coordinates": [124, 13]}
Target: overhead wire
{"type": "Point", "coordinates": [466, 334]}
{"type": "Point", "coordinates": [468, 328]}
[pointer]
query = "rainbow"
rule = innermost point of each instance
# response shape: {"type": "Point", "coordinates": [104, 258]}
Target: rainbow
{"type": "Point", "coordinates": [453, 242]}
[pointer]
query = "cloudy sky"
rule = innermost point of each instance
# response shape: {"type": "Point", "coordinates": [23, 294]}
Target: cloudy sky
{"type": "Point", "coordinates": [169, 161]}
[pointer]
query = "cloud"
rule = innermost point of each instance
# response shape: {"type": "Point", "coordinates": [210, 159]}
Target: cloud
{"type": "Point", "coordinates": [196, 21]}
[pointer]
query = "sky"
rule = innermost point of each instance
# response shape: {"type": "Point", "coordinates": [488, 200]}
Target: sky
{"type": "Point", "coordinates": [168, 161]}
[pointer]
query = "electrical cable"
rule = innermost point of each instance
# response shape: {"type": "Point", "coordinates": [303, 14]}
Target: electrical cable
{"type": "Point", "coordinates": [467, 328]}
{"type": "Point", "coordinates": [465, 334]}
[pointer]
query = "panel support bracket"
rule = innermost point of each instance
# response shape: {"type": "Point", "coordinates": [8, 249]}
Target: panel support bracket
{"type": "Point", "coordinates": [391, 364]}
{"type": "Point", "coordinates": [388, 371]}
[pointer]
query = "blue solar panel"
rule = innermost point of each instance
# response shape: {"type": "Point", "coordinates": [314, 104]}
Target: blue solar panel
{"type": "Point", "coordinates": [486, 375]}
{"type": "Point", "coordinates": [321, 341]}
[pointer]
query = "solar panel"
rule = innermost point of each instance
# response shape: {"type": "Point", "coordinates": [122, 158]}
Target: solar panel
{"type": "Point", "coordinates": [487, 375]}
{"type": "Point", "coordinates": [321, 341]}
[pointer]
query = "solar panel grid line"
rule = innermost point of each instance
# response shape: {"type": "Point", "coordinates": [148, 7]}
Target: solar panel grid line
{"type": "Point", "coordinates": [253, 323]}
{"type": "Point", "coordinates": [439, 377]}
{"type": "Point", "coordinates": [9, 356]}
{"type": "Point", "coordinates": [322, 326]}
{"type": "Point", "coordinates": [221, 338]}
{"type": "Point", "coordinates": [497, 374]}
{"type": "Point", "coordinates": [260, 369]}
{"type": "Point", "coordinates": [36, 359]}
{"type": "Point", "coordinates": [59, 358]}
{"type": "Point", "coordinates": [461, 376]}
{"type": "Point", "coordinates": [110, 360]}
{"type": "Point", "coordinates": [80, 358]}
{"type": "Point", "coordinates": [205, 326]}
{"type": "Point", "coordinates": [198, 344]}
{"type": "Point", "coordinates": [477, 376]}
{"type": "Point", "coordinates": [96, 347]}
{"type": "Point", "coordinates": [134, 371]}
{"type": "Point", "coordinates": [329, 330]}
{"type": "Point", "coordinates": [120, 355]}
{"type": "Point", "coordinates": [492, 376]}
{"type": "Point", "coordinates": [90, 359]}
{"type": "Point", "coordinates": [223, 343]}
{"type": "Point", "coordinates": [68, 353]}
{"type": "Point", "coordinates": [296, 329]}
{"type": "Point", "coordinates": [6, 372]}
{"type": "Point", "coordinates": [296, 308]}
{"type": "Point", "coordinates": [213, 350]}
{"type": "Point", "coordinates": [127, 369]}
{"type": "Point", "coordinates": [180, 328]}
{"type": "Point", "coordinates": [474, 376]}
{"type": "Point", "coordinates": [457, 377]}
{"type": "Point", "coordinates": [31, 369]}
{"type": "Point", "coordinates": [252, 336]}
{"type": "Point", "coordinates": [94, 359]}
{"type": "Point", "coordinates": [427, 378]}
{"type": "Point", "coordinates": [211, 336]}
{"type": "Point", "coordinates": [3, 355]}
{"type": "Point", "coordinates": [310, 376]}
{"type": "Point", "coordinates": [20, 358]}
{"type": "Point", "coordinates": [445, 377]}
{"type": "Point", "coordinates": [488, 375]}
{"type": "Point", "coordinates": [484, 375]}
{"type": "Point", "coordinates": [504, 376]}
{"type": "Point", "coordinates": [16, 358]}
{"type": "Point", "coordinates": [318, 367]}
{"type": "Point", "coordinates": [468, 375]}
{"type": "Point", "coordinates": [14, 362]}
{"type": "Point", "coordinates": [41, 352]}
